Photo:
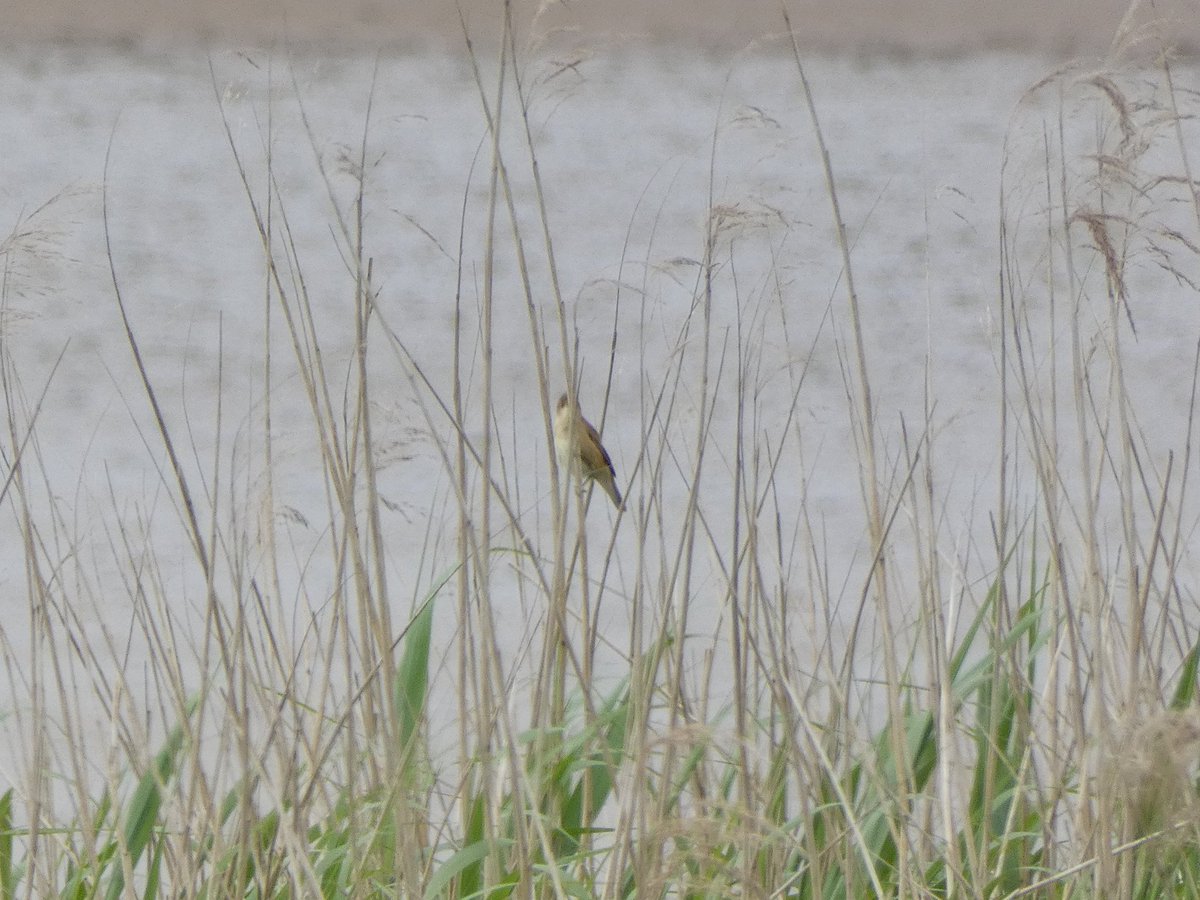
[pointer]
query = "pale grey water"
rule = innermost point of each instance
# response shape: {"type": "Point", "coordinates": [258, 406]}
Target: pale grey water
{"type": "Point", "coordinates": [625, 144]}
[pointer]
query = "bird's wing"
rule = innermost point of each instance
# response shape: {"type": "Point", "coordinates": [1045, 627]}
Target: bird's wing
{"type": "Point", "coordinates": [593, 451]}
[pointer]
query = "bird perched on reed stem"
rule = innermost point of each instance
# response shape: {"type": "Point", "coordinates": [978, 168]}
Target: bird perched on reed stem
{"type": "Point", "coordinates": [580, 451]}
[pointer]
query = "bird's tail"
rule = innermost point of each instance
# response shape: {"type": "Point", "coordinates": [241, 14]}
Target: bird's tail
{"type": "Point", "coordinates": [610, 488]}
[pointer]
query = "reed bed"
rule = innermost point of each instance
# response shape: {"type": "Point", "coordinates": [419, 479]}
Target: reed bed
{"type": "Point", "coordinates": [697, 703]}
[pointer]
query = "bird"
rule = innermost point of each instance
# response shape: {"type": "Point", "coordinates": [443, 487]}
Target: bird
{"type": "Point", "coordinates": [580, 451]}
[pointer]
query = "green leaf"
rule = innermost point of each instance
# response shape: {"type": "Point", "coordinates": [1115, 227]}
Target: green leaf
{"type": "Point", "coordinates": [1185, 690]}
{"type": "Point", "coordinates": [468, 858]}
{"type": "Point", "coordinates": [412, 677]}
{"type": "Point", "coordinates": [8, 882]}
{"type": "Point", "coordinates": [141, 816]}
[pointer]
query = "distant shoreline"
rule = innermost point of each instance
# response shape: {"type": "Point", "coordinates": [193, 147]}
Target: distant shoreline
{"type": "Point", "coordinates": [893, 26]}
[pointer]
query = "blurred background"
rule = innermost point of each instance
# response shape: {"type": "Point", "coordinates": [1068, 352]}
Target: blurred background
{"type": "Point", "coordinates": [1072, 26]}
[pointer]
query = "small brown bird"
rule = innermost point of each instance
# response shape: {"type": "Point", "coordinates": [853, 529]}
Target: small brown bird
{"type": "Point", "coordinates": [578, 446]}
